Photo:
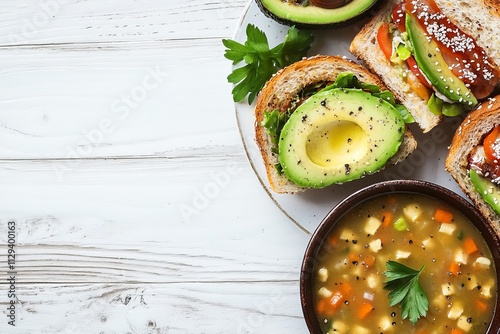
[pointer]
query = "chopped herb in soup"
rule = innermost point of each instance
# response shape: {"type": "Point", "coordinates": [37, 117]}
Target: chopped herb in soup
{"type": "Point", "coordinates": [413, 252]}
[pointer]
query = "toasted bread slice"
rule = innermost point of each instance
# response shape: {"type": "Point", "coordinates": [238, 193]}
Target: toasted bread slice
{"type": "Point", "coordinates": [283, 88]}
{"type": "Point", "coordinates": [478, 18]}
{"type": "Point", "coordinates": [470, 134]}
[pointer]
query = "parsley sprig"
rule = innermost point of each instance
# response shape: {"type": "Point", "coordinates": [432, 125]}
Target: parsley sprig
{"type": "Point", "coordinates": [261, 61]}
{"type": "Point", "coordinates": [402, 283]}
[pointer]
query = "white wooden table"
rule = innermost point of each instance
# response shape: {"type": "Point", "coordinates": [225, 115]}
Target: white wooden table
{"type": "Point", "coordinates": [135, 207]}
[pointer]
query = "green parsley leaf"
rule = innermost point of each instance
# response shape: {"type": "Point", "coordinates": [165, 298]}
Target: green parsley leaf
{"type": "Point", "coordinates": [261, 62]}
{"type": "Point", "coordinates": [404, 288]}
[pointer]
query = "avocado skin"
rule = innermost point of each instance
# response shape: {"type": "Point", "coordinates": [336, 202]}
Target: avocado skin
{"type": "Point", "coordinates": [319, 26]}
{"type": "Point", "coordinates": [432, 64]}
{"type": "Point", "coordinates": [483, 186]}
{"type": "Point", "coordinates": [380, 122]}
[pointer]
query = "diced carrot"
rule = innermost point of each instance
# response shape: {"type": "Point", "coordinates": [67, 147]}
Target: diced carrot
{"type": "Point", "coordinates": [332, 241]}
{"type": "Point", "coordinates": [456, 331]}
{"type": "Point", "coordinates": [353, 257]}
{"type": "Point", "coordinates": [470, 245]}
{"type": "Point", "coordinates": [443, 216]}
{"type": "Point", "coordinates": [369, 260]}
{"type": "Point", "coordinates": [329, 306]}
{"type": "Point", "coordinates": [386, 218]}
{"type": "Point", "coordinates": [320, 306]}
{"type": "Point", "coordinates": [345, 288]}
{"type": "Point", "coordinates": [455, 268]}
{"type": "Point", "coordinates": [481, 306]}
{"type": "Point", "coordinates": [364, 310]}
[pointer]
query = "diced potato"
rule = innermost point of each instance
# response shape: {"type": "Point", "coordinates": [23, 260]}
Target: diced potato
{"type": "Point", "coordinates": [486, 291]}
{"type": "Point", "coordinates": [360, 330]}
{"type": "Point", "coordinates": [412, 212]}
{"type": "Point", "coordinates": [428, 243]}
{"type": "Point", "coordinates": [339, 327]}
{"type": "Point", "coordinates": [461, 256]}
{"type": "Point", "coordinates": [438, 304]}
{"type": "Point", "coordinates": [455, 311]}
{"type": "Point", "coordinates": [402, 254]}
{"type": "Point", "coordinates": [385, 324]}
{"type": "Point", "coordinates": [486, 288]}
{"type": "Point", "coordinates": [447, 289]}
{"type": "Point", "coordinates": [324, 292]}
{"type": "Point", "coordinates": [447, 228]}
{"type": "Point", "coordinates": [347, 234]}
{"type": "Point", "coordinates": [322, 274]}
{"type": "Point", "coordinates": [463, 324]}
{"type": "Point", "coordinates": [372, 225]}
{"type": "Point", "coordinates": [373, 281]}
{"type": "Point", "coordinates": [482, 262]}
{"type": "Point", "coordinates": [375, 245]}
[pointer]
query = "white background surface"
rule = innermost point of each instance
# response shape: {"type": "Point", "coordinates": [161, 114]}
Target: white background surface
{"type": "Point", "coordinates": [136, 208]}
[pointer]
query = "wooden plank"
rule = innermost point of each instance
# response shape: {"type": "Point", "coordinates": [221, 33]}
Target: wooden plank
{"type": "Point", "coordinates": [111, 100]}
{"type": "Point", "coordinates": [147, 220]}
{"type": "Point", "coordinates": [211, 308]}
{"type": "Point", "coordinates": [72, 21]}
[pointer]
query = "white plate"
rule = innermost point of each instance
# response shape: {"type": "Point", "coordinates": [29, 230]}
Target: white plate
{"type": "Point", "coordinates": [307, 209]}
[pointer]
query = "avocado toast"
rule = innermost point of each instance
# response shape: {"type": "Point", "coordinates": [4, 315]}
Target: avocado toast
{"type": "Point", "coordinates": [313, 130]}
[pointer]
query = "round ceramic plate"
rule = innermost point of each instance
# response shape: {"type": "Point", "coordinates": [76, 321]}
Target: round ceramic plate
{"type": "Point", "coordinates": [308, 208]}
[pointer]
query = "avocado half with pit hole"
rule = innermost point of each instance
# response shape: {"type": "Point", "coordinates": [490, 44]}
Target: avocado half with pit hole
{"type": "Point", "coordinates": [311, 14]}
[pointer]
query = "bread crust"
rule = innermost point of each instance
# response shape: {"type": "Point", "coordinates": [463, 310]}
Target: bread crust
{"type": "Point", "coordinates": [282, 89]}
{"type": "Point", "coordinates": [470, 134]}
{"type": "Point", "coordinates": [478, 18]}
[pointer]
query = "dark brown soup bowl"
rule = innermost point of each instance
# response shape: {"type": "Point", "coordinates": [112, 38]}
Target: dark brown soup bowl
{"type": "Point", "coordinates": [328, 224]}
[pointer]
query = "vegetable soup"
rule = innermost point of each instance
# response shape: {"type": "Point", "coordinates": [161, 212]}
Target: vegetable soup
{"type": "Point", "coordinates": [413, 252]}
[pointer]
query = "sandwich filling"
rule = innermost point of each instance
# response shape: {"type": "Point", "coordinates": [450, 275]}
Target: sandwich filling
{"type": "Point", "coordinates": [484, 168]}
{"type": "Point", "coordinates": [441, 63]}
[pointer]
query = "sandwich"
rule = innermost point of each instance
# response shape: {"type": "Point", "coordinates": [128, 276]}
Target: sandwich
{"type": "Point", "coordinates": [440, 58]}
{"type": "Point", "coordinates": [474, 159]}
{"type": "Point", "coordinates": [327, 120]}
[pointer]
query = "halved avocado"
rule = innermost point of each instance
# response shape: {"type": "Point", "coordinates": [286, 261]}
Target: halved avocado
{"type": "Point", "coordinates": [313, 17]}
{"type": "Point", "coordinates": [339, 135]}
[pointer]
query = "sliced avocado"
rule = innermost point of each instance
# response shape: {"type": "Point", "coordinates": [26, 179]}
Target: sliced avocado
{"type": "Point", "coordinates": [432, 64]}
{"type": "Point", "coordinates": [307, 16]}
{"type": "Point", "coordinates": [339, 135]}
{"type": "Point", "coordinates": [488, 191]}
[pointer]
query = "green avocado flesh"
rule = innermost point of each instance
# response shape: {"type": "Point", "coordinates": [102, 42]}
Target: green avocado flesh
{"type": "Point", "coordinates": [431, 63]}
{"type": "Point", "coordinates": [339, 135]}
{"type": "Point", "coordinates": [309, 16]}
{"type": "Point", "coordinates": [488, 191]}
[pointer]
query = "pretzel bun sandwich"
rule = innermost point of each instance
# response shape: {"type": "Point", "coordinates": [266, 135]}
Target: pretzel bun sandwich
{"type": "Point", "coordinates": [326, 120]}
{"type": "Point", "coordinates": [440, 58]}
{"type": "Point", "coordinates": [474, 159]}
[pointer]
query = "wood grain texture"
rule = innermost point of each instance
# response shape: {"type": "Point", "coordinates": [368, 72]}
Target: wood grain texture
{"type": "Point", "coordinates": [73, 21]}
{"type": "Point", "coordinates": [101, 100]}
{"type": "Point", "coordinates": [263, 307]}
{"type": "Point", "coordinates": [136, 209]}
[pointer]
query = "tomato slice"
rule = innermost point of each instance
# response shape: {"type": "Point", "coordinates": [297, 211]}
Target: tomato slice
{"type": "Point", "coordinates": [412, 64]}
{"type": "Point", "coordinates": [464, 56]}
{"type": "Point", "coordinates": [492, 145]}
{"type": "Point", "coordinates": [384, 40]}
